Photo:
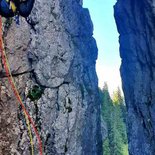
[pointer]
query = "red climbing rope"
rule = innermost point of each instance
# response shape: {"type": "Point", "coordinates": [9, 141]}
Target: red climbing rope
{"type": "Point", "coordinates": [9, 76]}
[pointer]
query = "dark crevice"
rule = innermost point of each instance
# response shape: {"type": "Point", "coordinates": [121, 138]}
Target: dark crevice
{"type": "Point", "coordinates": [57, 104]}
{"type": "Point", "coordinates": [4, 75]}
{"type": "Point", "coordinates": [46, 141]}
{"type": "Point", "coordinates": [31, 23]}
{"type": "Point", "coordinates": [37, 121]}
{"type": "Point", "coordinates": [67, 139]}
{"type": "Point", "coordinates": [66, 147]}
{"type": "Point", "coordinates": [22, 119]}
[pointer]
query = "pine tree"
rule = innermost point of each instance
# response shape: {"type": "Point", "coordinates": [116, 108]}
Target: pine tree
{"type": "Point", "coordinates": [119, 111]}
{"type": "Point", "coordinates": [107, 108]}
{"type": "Point", "coordinates": [106, 147]}
{"type": "Point", "coordinates": [114, 113]}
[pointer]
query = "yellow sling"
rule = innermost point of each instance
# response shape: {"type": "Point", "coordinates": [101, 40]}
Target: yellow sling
{"type": "Point", "coordinates": [12, 6]}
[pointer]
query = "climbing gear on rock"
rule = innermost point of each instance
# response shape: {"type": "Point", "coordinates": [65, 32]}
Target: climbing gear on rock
{"type": "Point", "coordinates": [28, 118]}
{"type": "Point", "coordinates": [12, 5]}
{"type": "Point", "coordinates": [5, 9]}
{"type": "Point", "coordinates": [10, 8]}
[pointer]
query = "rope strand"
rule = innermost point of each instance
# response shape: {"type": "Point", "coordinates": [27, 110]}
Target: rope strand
{"type": "Point", "coordinates": [12, 83]}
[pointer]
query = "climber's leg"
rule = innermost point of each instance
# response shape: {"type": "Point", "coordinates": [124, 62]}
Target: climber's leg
{"type": "Point", "coordinates": [5, 10]}
{"type": "Point", "coordinates": [25, 7]}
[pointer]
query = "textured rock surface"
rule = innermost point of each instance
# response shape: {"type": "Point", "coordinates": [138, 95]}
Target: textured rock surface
{"type": "Point", "coordinates": [57, 52]}
{"type": "Point", "coordinates": [135, 22]}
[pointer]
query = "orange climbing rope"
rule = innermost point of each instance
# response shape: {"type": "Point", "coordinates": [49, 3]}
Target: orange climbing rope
{"type": "Point", "coordinates": [12, 83]}
{"type": "Point", "coordinates": [26, 118]}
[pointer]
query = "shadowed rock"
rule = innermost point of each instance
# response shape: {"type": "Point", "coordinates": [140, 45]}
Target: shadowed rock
{"type": "Point", "coordinates": [135, 23]}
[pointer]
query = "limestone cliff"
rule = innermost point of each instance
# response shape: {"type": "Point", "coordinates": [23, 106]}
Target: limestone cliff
{"type": "Point", "coordinates": [57, 53]}
{"type": "Point", "coordinates": [135, 22]}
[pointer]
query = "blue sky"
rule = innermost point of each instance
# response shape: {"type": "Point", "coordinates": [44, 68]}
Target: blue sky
{"type": "Point", "coordinates": [106, 35]}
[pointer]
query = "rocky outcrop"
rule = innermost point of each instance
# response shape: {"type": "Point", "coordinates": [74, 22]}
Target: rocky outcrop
{"type": "Point", "coordinates": [135, 23]}
{"type": "Point", "coordinates": [55, 52]}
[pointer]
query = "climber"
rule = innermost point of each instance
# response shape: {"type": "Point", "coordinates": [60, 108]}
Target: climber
{"type": "Point", "coordinates": [11, 8]}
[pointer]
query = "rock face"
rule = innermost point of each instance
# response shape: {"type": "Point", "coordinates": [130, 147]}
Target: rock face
{"type": "Point", "coordinates": [135, 22]}
{"type": "Point", "coordinates": [57, 53]}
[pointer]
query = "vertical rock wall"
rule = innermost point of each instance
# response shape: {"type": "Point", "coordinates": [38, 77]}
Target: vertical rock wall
{"type": "Point", "coordinates": [135, 23]}
{"type": "Point", "coordinates": [55, 51]}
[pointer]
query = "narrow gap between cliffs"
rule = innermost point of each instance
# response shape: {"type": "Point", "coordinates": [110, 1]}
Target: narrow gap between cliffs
{"type": "Point", "coordinates": [113, 105]}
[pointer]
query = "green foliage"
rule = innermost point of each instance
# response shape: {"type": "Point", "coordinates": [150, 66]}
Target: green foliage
{"type": "Point", "coordinates": [106, 147]}
{"type": "Point", "coordinates": [117, 97]}
{"type": "Point", "coordinates": [35, 93]}
{"type": "Point", "coordinates": [114, 114]}
{"type": "Point", "coordinates": [125, 149]}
